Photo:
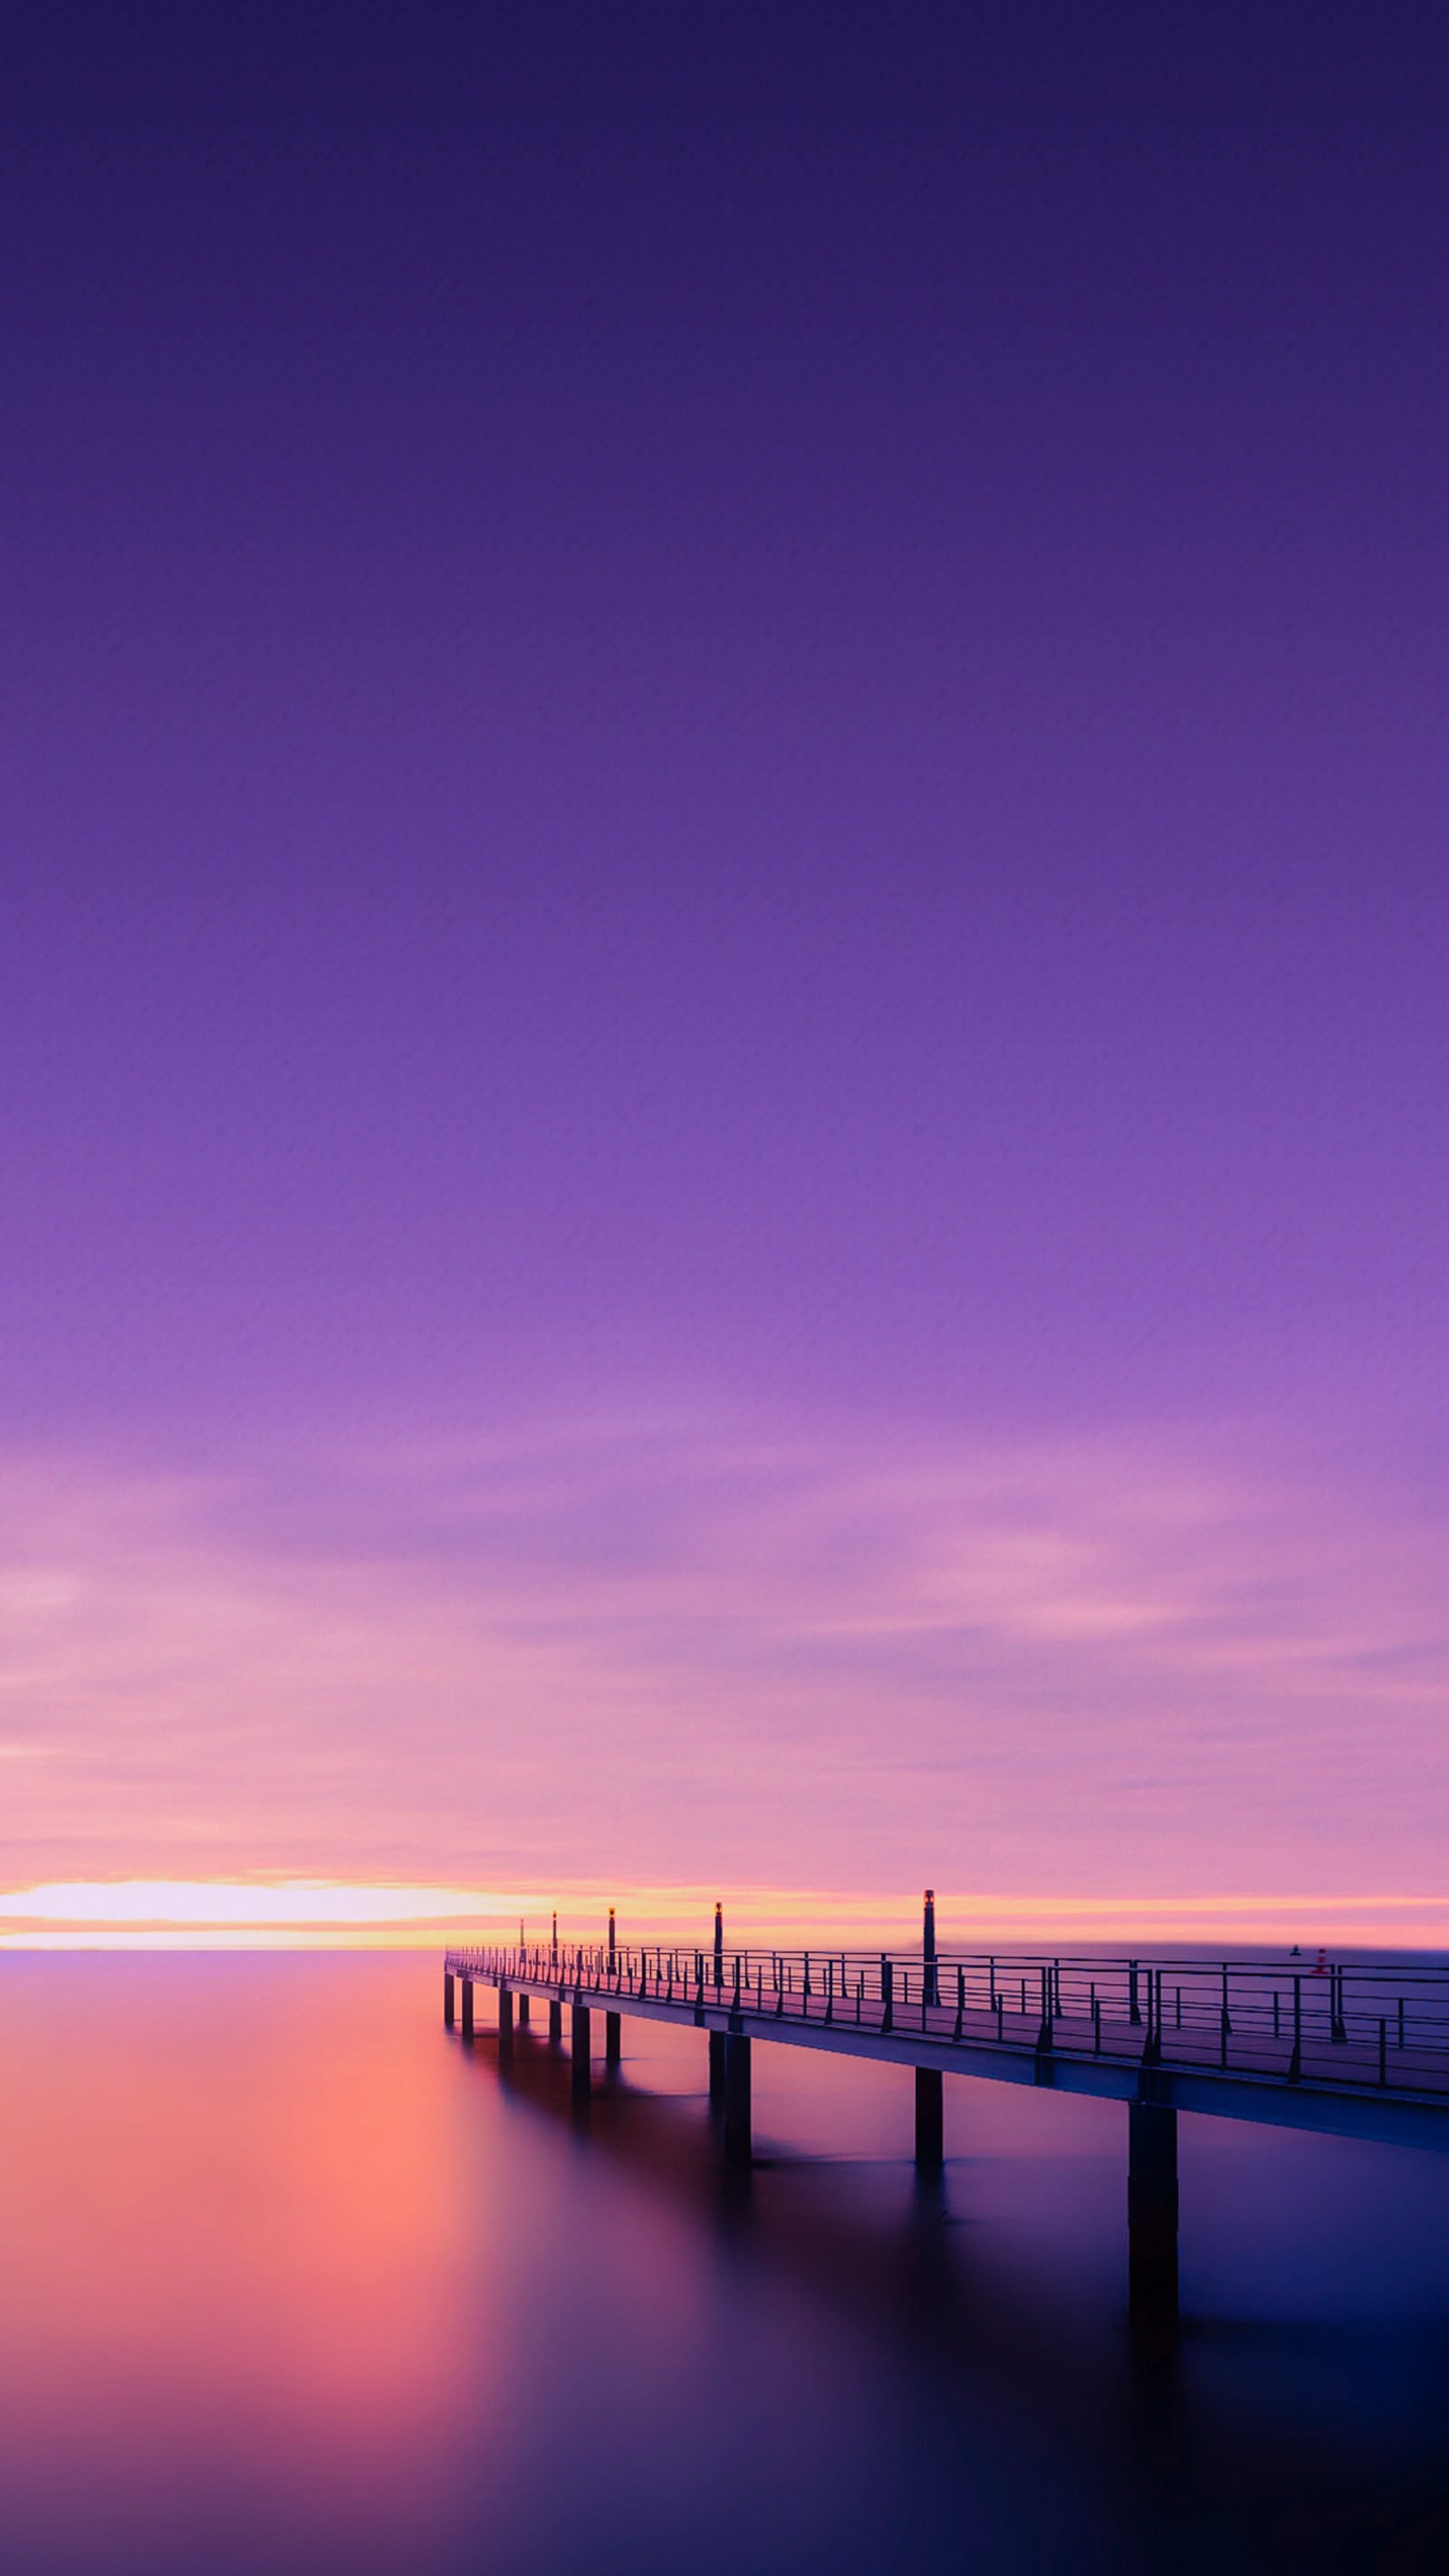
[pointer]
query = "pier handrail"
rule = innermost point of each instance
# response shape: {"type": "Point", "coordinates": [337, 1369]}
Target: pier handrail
{"type": "Point", "coordinates": [1360, 2026]}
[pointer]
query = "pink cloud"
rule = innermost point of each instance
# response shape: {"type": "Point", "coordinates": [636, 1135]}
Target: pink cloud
{"type": "Point", "coordinates": [666, 1652]}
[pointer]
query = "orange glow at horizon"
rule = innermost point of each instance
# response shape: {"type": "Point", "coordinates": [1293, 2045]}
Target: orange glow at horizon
{"type": "Point", "coordinates": [285, 1914]}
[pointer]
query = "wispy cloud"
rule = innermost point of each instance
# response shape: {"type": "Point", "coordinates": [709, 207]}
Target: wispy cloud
{"type": "Point", "coordinates": [678, 1653]}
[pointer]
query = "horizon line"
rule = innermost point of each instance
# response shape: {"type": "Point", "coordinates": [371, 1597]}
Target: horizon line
{"type": "Point", "coordinates": [310, 1912]}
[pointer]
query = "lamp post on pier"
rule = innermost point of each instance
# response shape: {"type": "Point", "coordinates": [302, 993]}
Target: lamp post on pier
{"type": "Point", "coordinates": [930, 2087]}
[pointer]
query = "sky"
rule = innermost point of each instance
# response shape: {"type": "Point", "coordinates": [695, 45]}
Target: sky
{"type": "Point", "coordinates": [722, 948]}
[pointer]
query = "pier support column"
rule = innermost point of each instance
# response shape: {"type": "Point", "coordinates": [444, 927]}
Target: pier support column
{"type": "Point", "coordinates": [523, 2012]}
{"type": "Point", "coordinates": [1152, 2218]}
{"type": "Point", "coordinates": [736, 2098]}
{"type": "Point", "coordinates": [716, 2072]}
{"type": "Point", "coordinates": [930, 2119]}
{"type": "Point", "coordinates": [555, 2018]}
{"type": "Point", "coordinates": [505, 2021]}
{"type": "Point", "coordinates": [467, 2007]}
{"type": "Point", "coordinates": [582, 2045]}
{"type": "Point", "coordinates": [447, 1999]}
{"type": "Point", "coordinates": [613, 2042]}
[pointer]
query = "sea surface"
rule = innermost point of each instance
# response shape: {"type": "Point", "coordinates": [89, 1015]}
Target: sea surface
{"type": "Point", "coordinates": [291, 2281]}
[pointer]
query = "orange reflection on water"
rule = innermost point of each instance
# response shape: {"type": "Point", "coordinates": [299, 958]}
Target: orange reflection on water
{"type": "Point", "coordinates": [235, 2208]}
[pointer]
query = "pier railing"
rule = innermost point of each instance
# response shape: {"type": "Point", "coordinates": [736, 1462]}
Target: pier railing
{"type": "Point", "coordinates": [1363, 2026]}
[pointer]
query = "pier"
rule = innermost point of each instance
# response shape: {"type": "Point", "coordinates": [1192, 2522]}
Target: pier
{"type": "Point", "coordinates": [1349, 2050]}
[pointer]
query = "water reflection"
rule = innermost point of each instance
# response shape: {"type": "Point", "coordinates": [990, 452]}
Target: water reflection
{"type": "Point", "coordinates": [294, 2282]}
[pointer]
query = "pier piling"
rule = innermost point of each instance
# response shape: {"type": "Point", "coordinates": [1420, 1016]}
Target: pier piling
{"type": "Point", "coordinates": [582, 2069]}
{"type": "Point", "coordinates": [555, 2018]}
{"type": "Point", "coordinates": [717, 2071]}
{"type": "Point", "coordinates": [930, 2119]}
{"type": "Point", "coordinates": [1152, 2217]}
{"type": "Point", "coordinates": [467, 2008]}
{"type": "Point", "coordinates": [447, 2000]}
{"type": "Point", "coordinates": [613, 2041]}
{"type": "Point", "coordinates": [736, 2097]}
{"type": "Point", "coordinates": [505, 2021]}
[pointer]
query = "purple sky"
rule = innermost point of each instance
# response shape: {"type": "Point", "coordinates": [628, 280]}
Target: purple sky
{"type": "Point", "coordinates": [722, 773]}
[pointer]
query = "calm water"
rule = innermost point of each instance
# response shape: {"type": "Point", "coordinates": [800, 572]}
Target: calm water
{"type": "Point", "coordinates": [289, 2283]}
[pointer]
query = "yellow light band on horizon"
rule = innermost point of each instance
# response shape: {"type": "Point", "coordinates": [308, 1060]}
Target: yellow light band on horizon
{"type": "Point", "coordinates": [226, 1905]}
{"type": "Point", "coordinates": [233, 1902]}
